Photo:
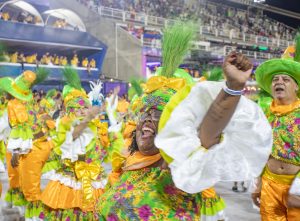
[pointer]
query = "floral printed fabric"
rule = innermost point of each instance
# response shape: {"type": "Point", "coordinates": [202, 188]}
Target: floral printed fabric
{"type": "Point", "coordinates": [286, 136]}
{"type": "Point", "coordinates": [148, 194]}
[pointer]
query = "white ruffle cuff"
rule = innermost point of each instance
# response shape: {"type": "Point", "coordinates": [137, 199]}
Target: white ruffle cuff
{"type": "Point", "coordinates": [23, 146]}
{"type": "Point", "coordinates": [71, 182]}
{"type": "Point", "coordinates": [241, 155]}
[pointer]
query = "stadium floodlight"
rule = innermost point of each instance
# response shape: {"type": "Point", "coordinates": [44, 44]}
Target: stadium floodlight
{"type": "Point", "coordinates": [259, 1]}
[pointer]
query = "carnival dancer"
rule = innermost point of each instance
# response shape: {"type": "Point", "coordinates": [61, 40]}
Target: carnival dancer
{"type": "Point", "coordinates": [28, 141]}
{"type": "Point", "coordinates": [79, 177]}
{"type": "Point", "coordinates": [277, 191]}
{"type": "Point", "coordinates": [145, 190]}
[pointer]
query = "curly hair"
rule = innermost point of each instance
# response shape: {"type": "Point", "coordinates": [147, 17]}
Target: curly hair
{"type": "Point", "coordinates": [134, 146]}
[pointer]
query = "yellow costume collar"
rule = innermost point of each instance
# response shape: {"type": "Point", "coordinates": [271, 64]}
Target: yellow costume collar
{"type": "Point", "coordinates": [284, 109]}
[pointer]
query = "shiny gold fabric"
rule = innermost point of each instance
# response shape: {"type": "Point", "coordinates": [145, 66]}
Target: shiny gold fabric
{"type": "Point", "coordinates": [31, 166]}
{"type": "Point", "coordinates": [209, 193]}
{"type": "Point", "coordinates": [69, 197]}
{"type": "Point", "coordinates": [158, 82]}
{"type": "Point", "coordinates": [139, 161]}
{"type": "Point", "coordinates": [87, 172]}
{"type": "Point", "coordinates": [17, 112]}
{"type": "Point", "coordinates": [13, 173]}
{"type": "Point", "coordinates": [274, 195]}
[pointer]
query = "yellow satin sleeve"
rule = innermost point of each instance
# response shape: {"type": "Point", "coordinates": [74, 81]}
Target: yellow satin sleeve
{"type": "Point", "coordinates": [17, 113]}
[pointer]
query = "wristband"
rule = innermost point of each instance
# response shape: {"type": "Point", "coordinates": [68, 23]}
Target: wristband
{"type": "Point", "coordinates": [232, 92]}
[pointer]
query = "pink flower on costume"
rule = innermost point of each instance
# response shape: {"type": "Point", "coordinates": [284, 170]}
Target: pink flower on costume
{"type": "Point", "coordinates": [145, 212]}
{"type": "Point", "coordinates": [81, 102]}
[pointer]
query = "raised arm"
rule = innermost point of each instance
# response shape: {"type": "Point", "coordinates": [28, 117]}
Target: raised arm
{"type": "Point", "coordinates": [237, 69]}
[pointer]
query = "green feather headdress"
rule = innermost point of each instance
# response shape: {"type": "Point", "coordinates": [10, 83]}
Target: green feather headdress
{"type": "Point", "coordinates": [41, 75]}
{"type": "Point", "coordinates": [216, 74]}
{"type": "Point", "coordinates": [72, 77]}
{"type": "Point", "coordinates": [74, 95]}
{"type": "Point", "coordinates": [175, 44]}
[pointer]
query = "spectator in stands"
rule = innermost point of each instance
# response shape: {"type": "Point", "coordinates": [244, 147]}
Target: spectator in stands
{"type": "Point", "coordinates": [74, 61]}
{"type": "Point", "coordinates": [64, 61]}
{"type": "Point", "coordinates": [85, 63]}
{"type": "Point", "coordinates": [56, 60]}
{"type": "Point", "coordinates": [5, 16]}
{"type": "Point", "coordinates": [14, 57]}
{"type": "Point", "coordinates": [93, 63]}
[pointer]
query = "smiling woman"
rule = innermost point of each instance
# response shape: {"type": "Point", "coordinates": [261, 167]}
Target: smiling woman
{"type": "Point", "coordinates": [145, 189]}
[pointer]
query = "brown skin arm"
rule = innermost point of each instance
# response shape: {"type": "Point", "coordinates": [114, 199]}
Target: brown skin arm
{"type": "Point", "coordinates": [237, 69]}
{"type": "Point", "coordinates": [14, 160]}
{"type": "Point", "coordinates": [293, 201]}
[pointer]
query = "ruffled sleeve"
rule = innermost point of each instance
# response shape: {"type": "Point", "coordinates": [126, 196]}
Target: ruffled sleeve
{"type": "Point", "coordinates": [241, 155]}
{"type": "Point", "coordinates": [71, 149]}
{"type": "Point", "coordinates": [295, 188]}
{"type": "Point", "coordinates": [20, 138]}
{"type": "Point", "coordinates": [4, 126]}
{"type": "Point", "coordinates": [111, 110]}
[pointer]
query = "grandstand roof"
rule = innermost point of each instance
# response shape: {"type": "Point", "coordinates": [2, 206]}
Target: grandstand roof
{"type": "Point", "coordinates": [290, 5]}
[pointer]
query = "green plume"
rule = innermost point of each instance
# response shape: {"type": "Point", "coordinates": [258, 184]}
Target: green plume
{"type": "Point", "coordinates": [216, 74]}
{"type": "Point", "coordinates": [41, 75]}
{"type": "Point", "coordinates": [136, 84]}
{"type": "Point", "coordinates": [297, 47]}
{"type": "Point", "coordinates": [51, 93]}
{"type": "Point", "coordinates": [72, 77]}
{"type": "Point", "coordinates": [135, 88]}
{"type": "Point", "coordinates": [175, 44]}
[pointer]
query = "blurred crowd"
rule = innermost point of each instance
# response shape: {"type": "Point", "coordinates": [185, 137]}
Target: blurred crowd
{"type": "Point", "coordinates": [49, 59]}
{"type": "Point", "coordinates": [230, 21]}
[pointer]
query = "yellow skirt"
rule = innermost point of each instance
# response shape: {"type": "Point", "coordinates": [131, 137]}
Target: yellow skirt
{"type": "Point", "coordinates": [59, 196]}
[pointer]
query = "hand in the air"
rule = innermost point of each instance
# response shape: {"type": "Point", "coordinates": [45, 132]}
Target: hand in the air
{"type": "Point", "coordinates": [237, 69]}
{"type": "Point", "coordinates": [94, 111]}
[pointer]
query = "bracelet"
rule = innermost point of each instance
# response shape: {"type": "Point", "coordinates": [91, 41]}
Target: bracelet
{"type": "Point", "coordinates": [232, 92]}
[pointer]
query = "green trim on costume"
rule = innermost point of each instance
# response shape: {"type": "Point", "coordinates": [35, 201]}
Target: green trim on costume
{"type": "Point", "coordinates": [52, 165]}
{"type": "Point", "coordinates": [116, 145]}
{"type": "Point", "coordinates": [212, 206]}
{"type": "Point", "coordinates": [23, 132]}
{"type": "Point", "coordinates": [33, 209]}
{"type": "Point", "coordinates": [2, 150]}
{"type": "Point", "coordinates": [166, 114]}
{"type": "Point", "coordinates": [15, 197]}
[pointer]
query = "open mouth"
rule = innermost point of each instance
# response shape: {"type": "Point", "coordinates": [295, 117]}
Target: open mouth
{"type": "Point", "coordinates": [279, 89]}
{"type": "Point", "coordinates": [148, 131]}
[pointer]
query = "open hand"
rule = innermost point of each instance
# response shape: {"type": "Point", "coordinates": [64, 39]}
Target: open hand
{"type": "Point", "coordinates": [237, 69]}
{"type": "Point", "coordinates": [117, 90]}
{"type": "Point", "coordinates": [94, 111]}
{"type": "Point", "coordinates": [256, 199]}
